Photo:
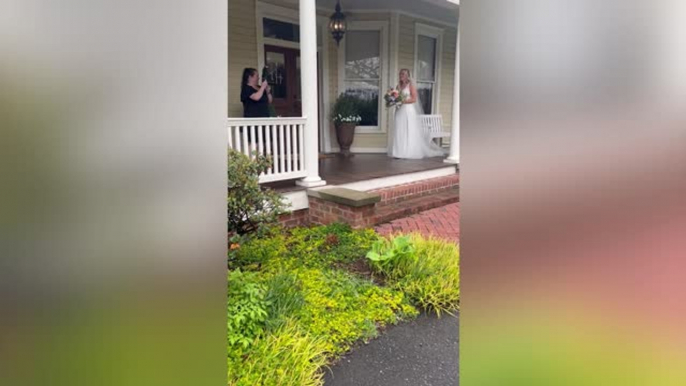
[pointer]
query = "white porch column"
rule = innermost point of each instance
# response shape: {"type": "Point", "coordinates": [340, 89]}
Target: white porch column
{"type": "Point", "coordinates": [454, 156]}
{"type": "Point", "coordinates": [308, 79]}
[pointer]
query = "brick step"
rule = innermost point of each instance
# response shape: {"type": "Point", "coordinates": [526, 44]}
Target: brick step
{"type": "Point", "coordinates": [418, 195]}
{"type": "Point", "coordinates": [411, 206]}
{"type": "Point", "coordinates": [402, 193]}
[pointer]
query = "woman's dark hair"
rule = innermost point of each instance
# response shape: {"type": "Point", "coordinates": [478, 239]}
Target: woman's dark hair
{"type": "Point", "coordinates": [247, 73]}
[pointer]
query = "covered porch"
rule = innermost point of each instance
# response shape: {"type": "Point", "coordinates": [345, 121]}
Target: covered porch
{"type": "Point", "coordinates": [369, 169]}
{"type": "Point", "coordinates": [300, 140]}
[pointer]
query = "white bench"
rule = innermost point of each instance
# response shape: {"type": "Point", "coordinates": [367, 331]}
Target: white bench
{"type": "Point", "coordinates": [433, 125]}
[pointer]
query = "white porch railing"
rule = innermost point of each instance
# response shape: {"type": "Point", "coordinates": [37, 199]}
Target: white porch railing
{"type": "Point", "coordinates": [281, 138]}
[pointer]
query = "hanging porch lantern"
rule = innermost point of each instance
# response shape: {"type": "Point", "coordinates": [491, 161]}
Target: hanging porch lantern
{"type": "Point", "coordinates": [337, 24]}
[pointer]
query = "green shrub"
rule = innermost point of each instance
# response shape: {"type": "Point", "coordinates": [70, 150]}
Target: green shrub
{"type": "Point", "coordinates": [257, 250]}
{"type": "Point", "coordinates": [427, 271]}
{"type": "Point", "coordinates": [288, 357]}
{"type": "Point", "coordinates": [247, 308]}
{"type": "Point", "coordinates": [346, 109]}
{"type": "Point", "coordinates": [250, 207]}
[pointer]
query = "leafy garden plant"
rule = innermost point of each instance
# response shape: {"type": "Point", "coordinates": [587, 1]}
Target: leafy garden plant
{"type": "Point", "coordinates": [386, 254]}
{"type": "Point", "coordinates": [247, 308]}
{"type": "Point", "coordinates": [251, 208]}
{"type": "Point", "coordinates": [346, 110]}
{"type": "Point", "coordinates": [303, 306]}
{"type": "Point", "coordinates": [294, 306]}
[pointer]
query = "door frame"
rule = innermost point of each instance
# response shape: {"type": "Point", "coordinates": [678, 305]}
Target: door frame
{"type": "Point", "coordinates": [290, 58]}
{"type": "Point", "coordinates": [291, 15]}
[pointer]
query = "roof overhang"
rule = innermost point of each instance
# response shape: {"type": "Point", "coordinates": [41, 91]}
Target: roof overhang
{"type": "Point", "coordinates": [444, 11]}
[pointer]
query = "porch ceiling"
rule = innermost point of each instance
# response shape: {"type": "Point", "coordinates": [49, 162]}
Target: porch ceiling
{"type": "Point", "coordinates": [431, 9]}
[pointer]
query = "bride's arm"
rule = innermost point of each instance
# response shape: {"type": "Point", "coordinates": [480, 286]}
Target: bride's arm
{"type": "Point", "coordinates": [413, 95]}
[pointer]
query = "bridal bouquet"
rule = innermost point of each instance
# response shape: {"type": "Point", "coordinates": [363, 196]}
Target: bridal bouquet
{"type": "Point", "coordinates": [394, 97]}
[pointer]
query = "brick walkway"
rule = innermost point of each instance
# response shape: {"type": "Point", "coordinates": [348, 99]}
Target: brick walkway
{"type": "Point", "coordinates": [443, 222]}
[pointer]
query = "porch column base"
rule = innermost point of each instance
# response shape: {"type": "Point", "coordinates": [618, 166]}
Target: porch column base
{"type": "Point", "coordinates": [310, 182]}
{"type": "Point", "coordinates": [452, 160]}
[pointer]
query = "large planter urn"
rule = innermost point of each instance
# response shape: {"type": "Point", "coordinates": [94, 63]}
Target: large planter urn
{"type": "Point", "coordinates": [345, 133]}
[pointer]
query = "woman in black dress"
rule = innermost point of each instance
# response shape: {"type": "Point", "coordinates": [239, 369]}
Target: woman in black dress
{"type": "Point", "coordinates": [256, 98]}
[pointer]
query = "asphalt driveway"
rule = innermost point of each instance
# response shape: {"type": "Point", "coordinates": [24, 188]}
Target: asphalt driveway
{"type": "Point", "coordinates": [423, 352]}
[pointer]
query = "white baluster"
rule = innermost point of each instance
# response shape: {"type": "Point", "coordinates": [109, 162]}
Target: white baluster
{"type": "Point", "coordinates": [281, 149]}
{"type": "Point", "coordinates": [253, 140]}
{"type": "Point", "coordinates": [289, 150]}
{"type": "Point", "coordinates": [268, 151]}
{"type": "Point", "coordinates": [301, 146]}
{"type": "Point", "coordinates": [244, 134]}
{"type": "Point", "coordinates": [260, 142]}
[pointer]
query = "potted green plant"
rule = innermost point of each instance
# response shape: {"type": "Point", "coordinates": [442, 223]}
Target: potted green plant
{"type": "Point", "coordinates": [345, 117]}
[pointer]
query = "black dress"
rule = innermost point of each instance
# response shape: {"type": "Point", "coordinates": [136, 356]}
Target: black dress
{"type": "Point", "coordinates": [252, 108]}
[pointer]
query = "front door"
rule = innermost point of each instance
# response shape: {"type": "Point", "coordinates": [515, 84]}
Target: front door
{"type": "Point", "coordinates": [284, 78]}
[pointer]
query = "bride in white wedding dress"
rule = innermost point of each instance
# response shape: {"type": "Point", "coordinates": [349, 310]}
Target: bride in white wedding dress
{"type": "Point", "coordinates": [408, 138]}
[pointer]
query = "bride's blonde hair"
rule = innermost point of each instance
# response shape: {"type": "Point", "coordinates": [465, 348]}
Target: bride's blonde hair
{"type": "Point", "coordinates": [409, 75]}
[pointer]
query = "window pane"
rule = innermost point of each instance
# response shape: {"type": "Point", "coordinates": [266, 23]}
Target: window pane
{"type": "Point", "coordinates": [367, 93]}
{"type": "Point", "coordinates": [426, 58]}
{"type": "Point", "coordinates": [276, 77]}
{"type": "Point", "coordinates": [426, 96]}
{"type": "Point", "coordinates": [362, 55]}
{"type": "Point", "coordinates": [280, 30]}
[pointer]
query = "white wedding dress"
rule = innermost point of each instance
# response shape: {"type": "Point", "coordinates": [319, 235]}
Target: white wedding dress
{"type": "Point", "coordinates": [408, 138]}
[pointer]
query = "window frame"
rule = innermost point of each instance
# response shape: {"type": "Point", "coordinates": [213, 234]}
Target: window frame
{"type": "Point", "coordinates": [381, 27]}
{"type": "Point", "coordinates": [434, 33]}
{"type": "Point", "coordinates": [295, 23]}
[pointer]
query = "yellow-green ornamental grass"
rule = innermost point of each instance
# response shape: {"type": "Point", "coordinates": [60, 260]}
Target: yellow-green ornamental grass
{"type": "Point", "coordinates": [315, 308]}
{"type": "Point", "coordinates": [431, 279]}
{"type": "Point", "coordinates": [287, 356]}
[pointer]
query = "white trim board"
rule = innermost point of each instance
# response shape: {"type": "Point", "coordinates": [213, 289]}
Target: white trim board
{"type": "Point", "coordinates": [299, 200]}
{"type": "Point", "coordinates": [296, 200]}
{"type": "Point", "coordinates": [284, 14]}
{"type": "Point", "coordinates": [324, 102]}
{"type": "Point", "coordinates": [393, 72]}
{"type": "Point", "coordinates": [386, 11]}
{"type": "Point", "coordinates": [373, 150]}
{"type": "Point", "coordinates": [401, 179]}
{"type": "Point", "coordinates": [435, 33]}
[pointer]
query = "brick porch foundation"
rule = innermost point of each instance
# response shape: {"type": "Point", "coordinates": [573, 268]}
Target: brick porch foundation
{"type": "Point", "coordinates": [366, 209]}
{"type": "Point", "coordinates": [400, 193]}
{"type": "Point", "coordinates": [298, 218]}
